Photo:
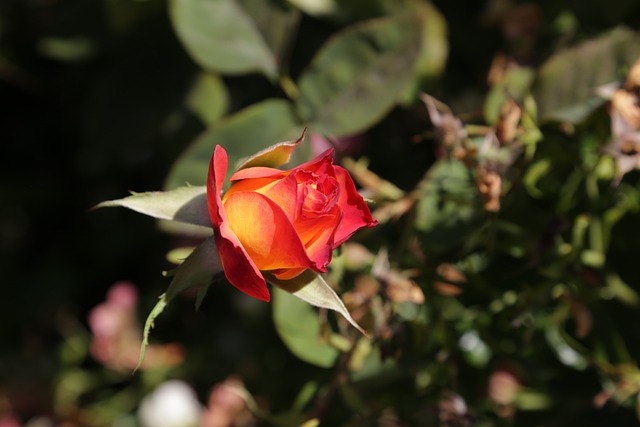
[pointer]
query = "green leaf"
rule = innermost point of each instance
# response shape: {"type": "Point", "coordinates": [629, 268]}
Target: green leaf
{"type": "Point", "coordinates": [313, 289]}
{"type": "Point", "coordinates": [448, 206]}
{"type": "Point", "coordinates": [148, 325]}
{"type": "Point", "coordinates": [298, 324]}
{"type": "Point", "coordinates": [242, 134]}
{"type": "Point", "coordinates": [566, 83]}
{"type": "Point", "coordinates": [434, 49]}
{"type": "Point", "coordinates": [221, 36]}
{"type": "Point", "coordinates": [185, 204]}
{"type": "Point", "coordinates": [358, 76]}
{"type": "Point", "coordinates": [208, 98]}
{"type": "Point", "coordinates": [274, 156]}
{"type": "Point", "coordinates": [315, 7]}
{"type": "Point", "coordinates": [75, 49]}
{"type": "Point", "coordinates": [275, 21]}
{"type": "Point", "coordinates": [198, 270]}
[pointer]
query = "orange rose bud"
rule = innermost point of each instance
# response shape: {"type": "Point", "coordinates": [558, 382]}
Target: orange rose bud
{"type": "Point", "coordinates": [284, 222]}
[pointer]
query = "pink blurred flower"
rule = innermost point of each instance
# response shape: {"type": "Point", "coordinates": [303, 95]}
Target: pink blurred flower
{"type": "Point", "coordinates": [227, 406]}
{"type": "Point", "coordinates": [117, 335]}
{"type": "Point", "coordinates": [9, 421]}
{"type": "Point", "coordinates": [503, 390]}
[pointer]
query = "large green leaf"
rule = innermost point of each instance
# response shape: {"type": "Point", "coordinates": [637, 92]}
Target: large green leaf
{"type": "Point", "coordinates": [298, 325]}
{"type": "Point", "coordinates": [242, 135]}
{"type": "Point", "coordinates": [275, 21]}
{"type": "Point", "coordinates": [566, 83]}
{"type": "Point", "coordinates": [221, 36]}
{"type": "Point", "coordinates": [359, 75]}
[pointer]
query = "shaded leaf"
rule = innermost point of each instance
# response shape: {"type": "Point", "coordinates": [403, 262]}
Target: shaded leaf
{"type": "Point", "coordinates": [298, 324]}
{"type": "Point", "coordinates": [75, 49]}
{"type": "Point", "coordinates": [434, 49]}
{"type": "Point", "coordinates": [221, 36]}
{"type": "Point", "coordinates": [359, 75]}
{"type": "Point", "coordinates": [185, 204]}
{"type": "Point", "coordinates": [242, 135]}
{"type": "Point", "coordinates": [198, 270]}
{"type": "Point", "coordinates": [566, 83]}
{"type": "Point", "coordinates": [275, 21]}
{"type": "Point", "coordinates": [446, 212]}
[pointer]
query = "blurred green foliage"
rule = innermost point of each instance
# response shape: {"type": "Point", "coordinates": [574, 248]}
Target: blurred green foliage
{"type": "Point", "coordinates": [499, 289]}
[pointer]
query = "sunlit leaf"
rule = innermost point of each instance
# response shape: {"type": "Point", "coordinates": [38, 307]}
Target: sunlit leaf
{"type": "Point", "coordinates": [221, 36]}
{"type": "Point", "coordinates": [565, 352]}
{"type": "Point", "coordinates": [315, 7]}
{"type": "Point", "coordinates": [185, 204]}
{"type": "Point", "coordinates": [359, 75]}
{"type": "Point", "coordinates": [242, 135]}
{"type": "Point", "coordinates": [274, 156]}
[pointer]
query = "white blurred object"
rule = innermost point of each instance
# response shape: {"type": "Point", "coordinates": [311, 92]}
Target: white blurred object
{"type": "Point", "coordinates": [172, 404]}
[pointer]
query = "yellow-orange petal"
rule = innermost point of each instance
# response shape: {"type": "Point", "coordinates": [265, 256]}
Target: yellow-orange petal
{"type": "Point", "coordinates": [281, 190]}
{"type": "Point", "coordinates": [355, 212]}
{"type": "Point", "coordinates": [238, 267]}
{"type": "Point", "coordinates": [265, 232]}
{"type": "Point", "coordinates": [255, 173]}
{"type": "Point", "coordinates": [288, 273]}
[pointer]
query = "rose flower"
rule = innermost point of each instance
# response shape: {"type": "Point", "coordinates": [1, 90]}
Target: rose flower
{"type": "Point", "coordinates": [281, 222]}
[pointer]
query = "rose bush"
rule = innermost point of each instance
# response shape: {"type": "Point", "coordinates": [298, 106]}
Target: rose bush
{"type": "Point", "coordinates": [281, 222]}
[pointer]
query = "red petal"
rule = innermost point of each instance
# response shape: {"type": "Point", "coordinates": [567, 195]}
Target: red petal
{"type": "Point", "coordinates": [321, 164]}
{"type": "Point", "coordinates": [355, 212]}
{"type": "Point", "coordinates": [318, 236]}
{"type": "Point", "coordinates": [238, 267]}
